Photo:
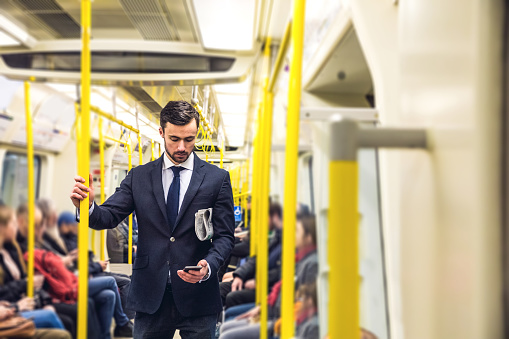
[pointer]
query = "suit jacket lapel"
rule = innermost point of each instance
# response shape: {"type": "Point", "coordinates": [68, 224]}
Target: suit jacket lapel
{"type": "Point", "coordinates": [157, 185]}
{"type": "Point", "coordinates": [196, 180]}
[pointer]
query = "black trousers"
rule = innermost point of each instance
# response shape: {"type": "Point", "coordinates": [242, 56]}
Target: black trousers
{"type": "Point", "coordinates": [230, 298]}
{"type": "Point", "coordinates": [167, 319]}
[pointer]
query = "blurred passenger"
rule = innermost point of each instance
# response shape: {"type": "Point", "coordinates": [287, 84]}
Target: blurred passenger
{"type": "Point", "coordinates": [117, 241]}
{"type": "Point", "coordinates": [21, 236]}
{"type": "Point", "coordinates": [245, 325]}
{"type": "Point", "coordinates": [242, 289]}
{"type": "Point", "coordinates": [103, 290]}
{"type": "Point", "coordinates": [68, 228]}
{"type": "Point", "coordinates": [307, 313]}
{"type": "Point", "coordinates": [51, 236]}
{"type": "Point", "coordinates": [7, 313]}
{"type": "Point", "coordinates": [13, 281]}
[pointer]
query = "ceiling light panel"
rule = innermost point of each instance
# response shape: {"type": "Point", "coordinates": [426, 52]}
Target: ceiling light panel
{"type": "Point", "coordinates": [226, 24]}
{"type": "Point", "coordinates": [6, 40]}
{"type": "Point", "coordinates": [233, 103]}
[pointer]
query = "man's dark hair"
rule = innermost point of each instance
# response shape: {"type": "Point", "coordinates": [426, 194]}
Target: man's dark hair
{"type": "Point", "coordinates": [178, 113]}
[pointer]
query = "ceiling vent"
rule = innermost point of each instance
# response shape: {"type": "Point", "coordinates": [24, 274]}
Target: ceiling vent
{"type": "Point", "coordinates": [152, 19]}
{"type": "Point", "coordinates": [146, 100]}
{"type": "Point", "coordinates": [50, 15]}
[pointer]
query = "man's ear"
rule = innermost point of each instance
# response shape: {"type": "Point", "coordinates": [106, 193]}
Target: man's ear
{"type": "Point", "coordinates": [161, 132]}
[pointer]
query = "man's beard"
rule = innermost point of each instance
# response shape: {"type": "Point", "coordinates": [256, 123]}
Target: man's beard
{"type": "Point", "coordinates": [177, 153]}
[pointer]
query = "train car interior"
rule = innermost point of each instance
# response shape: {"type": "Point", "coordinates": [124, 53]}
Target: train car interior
{"type": "Point", "coordinates": [366, 143]}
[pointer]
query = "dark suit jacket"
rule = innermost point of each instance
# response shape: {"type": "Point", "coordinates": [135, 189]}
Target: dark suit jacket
{"type": "Point", "coordinates": [159, 249]}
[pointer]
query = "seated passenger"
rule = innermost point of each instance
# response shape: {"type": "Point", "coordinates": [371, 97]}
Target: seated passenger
{"type": "Point", "coordinates": [245, 326]}
{"type": "Point", "coordinates": [13, 282]}
{"type": "Point", "coordinates": [7, 312]}
{"type": "Point", "coordinates": [117, 241]}
{"type": "Point", "coordinates": [103, 290]}
{"type": "Point", "coordinates": [22, 234]}
{"type": "Point", "coordinates": [68, 228]}
{"type": "Point", "coordinates": [51, 237]}
{"type": "Point", "coordinates": [242, 289]}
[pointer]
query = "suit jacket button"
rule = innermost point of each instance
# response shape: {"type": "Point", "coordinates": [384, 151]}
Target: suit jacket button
{"type": "Point", "coordinates": [172, 239]}
{"type": "Point", "coordinates": [168, 263]}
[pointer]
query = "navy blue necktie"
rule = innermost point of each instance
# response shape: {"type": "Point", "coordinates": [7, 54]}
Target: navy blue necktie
{"type": "Point", "coordinates": [172, 200]}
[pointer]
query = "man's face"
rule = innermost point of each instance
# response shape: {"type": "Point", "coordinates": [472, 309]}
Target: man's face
{"type": "Point", "coordinates": [179, 140]}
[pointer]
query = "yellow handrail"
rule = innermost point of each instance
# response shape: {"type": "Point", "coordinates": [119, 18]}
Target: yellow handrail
{"type": "Point", "coordinates": [130, 237]}
{"type": "Point", "coordinates": [152, 154]}
{"type": "Point", "coordinates": [255, 189]}
{"type": "Point", "coordinates": [140, 149]}
{"type": "Point", "coordinates": [31, 191]}
{"type": "Point", "coordinates": [263, 250]}
{"type": "Point", "coordinates": [84, 168]}
{"type": "Point", "coordinates": [291, 167]}
{"type": "Point", "coordinates": [343, 250]}
{"type": "Point", "coordinates": [110, 117]}
{"type": "Point", "coordinates": [241, 195]}
{"type": "Point", "coordinates": [103, 183]}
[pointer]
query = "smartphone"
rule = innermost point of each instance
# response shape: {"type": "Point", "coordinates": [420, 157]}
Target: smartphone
{"type": "Point", "coordinates": [192, 268]}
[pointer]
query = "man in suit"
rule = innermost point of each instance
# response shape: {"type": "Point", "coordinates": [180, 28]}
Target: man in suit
{"type": "Point", "coordinates": [166, 194]}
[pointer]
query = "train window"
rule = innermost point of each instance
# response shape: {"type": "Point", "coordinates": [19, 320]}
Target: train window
{"type": "Point", "coordinates": [14, 189]}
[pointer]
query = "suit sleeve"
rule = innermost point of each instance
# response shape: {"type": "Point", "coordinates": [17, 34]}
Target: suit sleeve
{"type": "Point", "coordinates": [224, 224]}
{"type": "Point", "coordinates": [116, 208]}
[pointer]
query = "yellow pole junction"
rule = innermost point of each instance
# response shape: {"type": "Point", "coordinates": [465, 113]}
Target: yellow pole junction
{"type": "Point", "coordinates": [130, 238]}
{"type": "Point", "coordinates": [84, 168]}
{"type": "Point", "coordinates": [262, 262]}
{"type": "Point", "coordinates": [291, 167]}
{"type": "Point", "coordinates": [31, 191]}
{"type": "Point", "coordinates": [103, 184]}
{"type": "Point", "coordinates": [343, 250]}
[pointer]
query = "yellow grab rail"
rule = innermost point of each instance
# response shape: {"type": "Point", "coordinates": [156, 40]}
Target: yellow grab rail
{"type": "Point", "coordinates": [130, 238]}
{"type": "Point", "coordinates": [110, 117]}
{"type": "Point", "coordinates": [291, 167]}
{"type": "Point", "coordinates": [262, 261]}
{"type": "Point", "coordinates": [152, 154]}
{"type": "Point", "coordinates": [103, 183]}
{"type": "Point", "coordinates": [140, 149]}
{"type": "Point", "coordinates": [343, 240]}
{"type": "Point", "coordinates": [31, 191]}
{"type": "Point", "coordinates": [84, 168]}
{"type": "Point", "coordinates": [241, 195]}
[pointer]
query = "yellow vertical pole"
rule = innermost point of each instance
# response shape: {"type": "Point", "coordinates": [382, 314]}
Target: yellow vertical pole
{"type": "Point", "coordinates": [103, 183]}
{"type": "Point", "coordinates": [291, 166]}
{"type": "Point", "coordinates": [152, 154]}
{"type": "Point", "coordinates": [31, 191]}
{"type": "Point", "coordinates": [159, 147]}
{"type": "Point", "coordinates": [140, 149]}
{"type": "Point", "coordinates": [221, 154]}
{"type": "Point", "coordinates": [130, 239]}
{"type": "Point", "coordinates": [343, 250]}
{"type": "Point", "coordinates": [259, 192]}
{"type": "Point", "coordinates": [263, 257]}
{"type": "Point", "coordinates": [84, 168]}
{"type": "Point", "coordinates": [255, 208]}
{"type": "Point", "coordinates": [247, 189]}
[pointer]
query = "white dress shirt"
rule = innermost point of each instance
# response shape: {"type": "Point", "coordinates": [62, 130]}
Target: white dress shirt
{"type": "Point", "coordinates": [185, 176]}
{"type": "Point", "coordinates": [185, 180]}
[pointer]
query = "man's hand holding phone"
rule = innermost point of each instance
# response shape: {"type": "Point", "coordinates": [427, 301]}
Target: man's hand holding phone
{"type": "Point", "coordinates": [193, 274]}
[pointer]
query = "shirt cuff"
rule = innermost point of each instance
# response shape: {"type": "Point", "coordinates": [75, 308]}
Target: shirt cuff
{"type": "Point", "coordinates": [90, 210]}
{"type": "Point", "coordinates": [205, 278]}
